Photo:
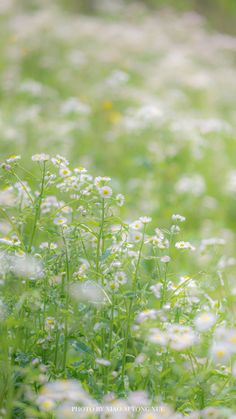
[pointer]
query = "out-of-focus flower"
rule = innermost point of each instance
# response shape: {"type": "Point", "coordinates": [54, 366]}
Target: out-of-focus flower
{"type": "Point", "coordinates": [205, 321]}
{"type": "Point", "coordinates": [41, 157]}
{"type": "Point", "coordinates": [60, 221]}
{"type": "Point", "coordinates": [88, 292]}
{"type": "Point", "coordinates": [184, 245]}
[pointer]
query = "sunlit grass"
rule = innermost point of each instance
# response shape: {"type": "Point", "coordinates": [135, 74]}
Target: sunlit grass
{"type": "Point", "coordinates": [117, 215]}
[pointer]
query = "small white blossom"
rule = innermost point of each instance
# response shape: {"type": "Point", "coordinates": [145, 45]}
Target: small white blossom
{"type": "Point", "coordinates": [121, 277]}
{"type": "Point", "coordinates": [59, 221]}
{"type": "Point", "coordinates": [205, 321]}
{"type": "Point", "coordinates": [100, 181]}
{"type": "Point", "coordinates": [80, 170]}
{"type": "Point", "coordinates": [184, 245]}
{"type": "Point", "coordinates": [174, 229]}
{"type": "Point", "coordinates": [146, 314]}
{"type": "Point", "coordinates": [46, 245]}
{"type": "Point", "coordinates": [13, 159]}
{"type": "Point", "coordinates": [165, 259]}
{"type": "Point", "coordinates": [159, 337]}
{"type": "Point", "coordinates": [178, 217]}
{"type": "Point", "coordinates": [136, 225]}
{"type": "Point", "coordinates": [87, 292]}
{"type": "Point", "coordinates": [105, 192]}
{"type": "Point", "coordinates": [40, 157]}
{"type": "Point", "coordinates": [59, 161]}
{"type": "Point", "coordinates": [136, 236]}
{"type": "Point", "coordinates": [64, 172]}
{"type": "Point", "coordinates": [103, 362]}
{"type": "Point", "coordinates": [220, 352]}
{"type": "Point", "coordinates": [145, 220]}
{"type": "Point", "coordinates": [120, 199]}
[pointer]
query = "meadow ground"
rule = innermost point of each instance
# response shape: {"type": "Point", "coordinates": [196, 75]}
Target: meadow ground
{"type": "Point", "coordinates": [117, 214]}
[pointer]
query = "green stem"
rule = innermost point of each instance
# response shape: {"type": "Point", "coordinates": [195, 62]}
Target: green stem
{"type": "Point", "coordinates": [56, 349]}
{"type": "Point", "coordinates": [164, 287]}
{"type": "Point", "coordinates": [138, 261]}
{"type": "Point", "coordinates": [111, 327]}
{"type": "Point", "coordinates": [127, 331]}
{"type": "Point", "coordinates": [66, 305]}
{"type": "Point", "coordinates": [100, 245]}
{"type": "Point", "coordinates": [38, 209]}
{"type": "Point", "coordinates": [23, 186]}
{"type": "Point", "coordinates": [100, 241]}
{"type": "Point", "coordinates": [110, 339]}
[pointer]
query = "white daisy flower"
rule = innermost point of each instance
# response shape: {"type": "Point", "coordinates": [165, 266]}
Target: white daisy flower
{"type": "Point", "coordinates": [184, 245]}
{"type": "Point", "coordinates": [146, 314]}
{"type": "Point", "coordinates": [136, 236]}
{"type": "Point", "coordinates": [120, 199]}
{"type": "Point", "coordinates": [40, 157]}
{"type": "Point", "coordinates": [64, 172]}
{"type": "Point", "coordinates": [145, 220]}
{"type": "Point", "coordinates": [100, 180]}
{"type": "Point", "coordinates": [59, 161]}
{"type": "Point", "coordinates": [182, 341]}
{"type": "Point", "coordinates": [136, 225]}
{"type": "Point", "coordinates": [53, 246]}
{"type": "Point", "coordinates": [105, 192]}
{"type": "Point", "coordinates": [47, 404]}
{"type": "Point", "coordinates": [178, 218]}
{"type": "Point", "coordinates": [205, 321]}
{"type": "Point", "coordinates": [159, 337]}
{"type": "Point", "coordinates": [13, 159]}
{"type": "Point", "coordinates": [220, 352]}
{"type": "Point", "coordinates": [59, 221]}
{"type": "Point", "coordinates": [80, 170]}
{"type": "Point", "coordinates": [121, 277]}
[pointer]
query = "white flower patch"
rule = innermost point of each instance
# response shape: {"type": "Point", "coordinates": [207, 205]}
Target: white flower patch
{"type": "Point", "coordinates": [184, 245]}
{"type": "Point", "coordinates": [204, 321]}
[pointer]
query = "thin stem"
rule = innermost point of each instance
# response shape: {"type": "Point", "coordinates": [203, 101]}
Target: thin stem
{"type": "Point", "coordinates": [100, 241]}
{"type": "Point", "coordinates": [66, 305]}
{"type": "Point", "coordinates": [127, 331]}
{"type": "Point", "coordinates": [164, 287]}
{"type": "Point", "coordinates": [56, 348]}
{"type": "Point", "coordinates": [111, 328]}
{"type": "Point", "coordinates": [100, 245]}
{"type": "Point", "coordinates": [23, 186]}
{"type": "Point", "coordinates": [83, 246]}
{"type": "Point", "coordinates": [110, 338]}
{"type": "Point", "coordinates": [18, 232]}
{"type": "Point", "coordinates": [138, 261]}
{"type": "Point", "coordinates": [38, 208]}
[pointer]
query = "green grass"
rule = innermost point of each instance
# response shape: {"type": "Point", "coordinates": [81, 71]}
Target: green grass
{"type": "Point", "coordinates": [97, 306]}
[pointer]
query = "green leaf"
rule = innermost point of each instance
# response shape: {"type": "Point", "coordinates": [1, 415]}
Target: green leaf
{"type": "Point", "coordinates": [82, 347]}
{"type": "Point", "coordinates": [105, 255]}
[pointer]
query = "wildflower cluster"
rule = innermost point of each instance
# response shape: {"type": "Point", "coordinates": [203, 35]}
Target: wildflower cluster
{"type": "Point", "coordinates": [117, 294]}
{"type": "Point", "coordinates": [99, 299]}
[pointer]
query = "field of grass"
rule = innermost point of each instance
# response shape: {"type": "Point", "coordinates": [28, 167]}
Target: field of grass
{"type": "Point", "coordinates": [117, 214]}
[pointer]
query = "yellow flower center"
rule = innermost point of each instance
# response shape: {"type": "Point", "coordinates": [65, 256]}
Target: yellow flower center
{"type": "Point", "coordinates": [220, 353]}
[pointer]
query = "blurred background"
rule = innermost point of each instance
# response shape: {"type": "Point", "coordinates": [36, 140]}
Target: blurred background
{"type": "Point", "coordinates": [142, 91]}
{"type": "Point", "coordinates": [221, 13]}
